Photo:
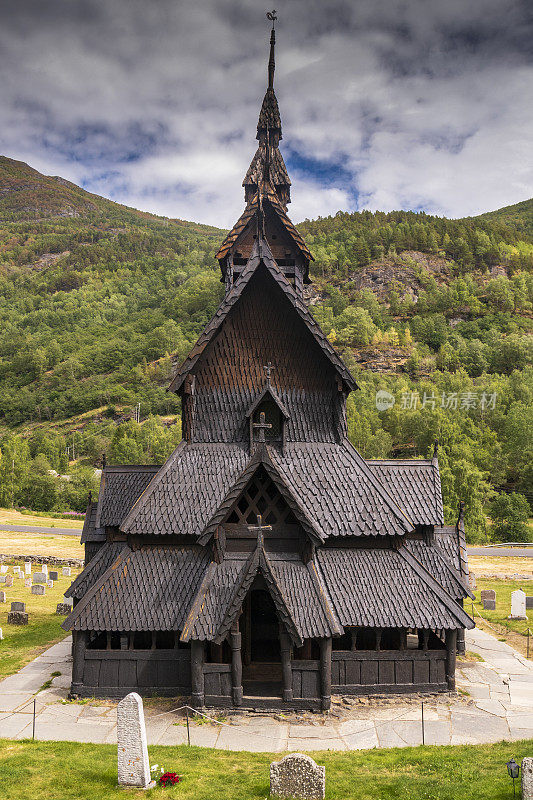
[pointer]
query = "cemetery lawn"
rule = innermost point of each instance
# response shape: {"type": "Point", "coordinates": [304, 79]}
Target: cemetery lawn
{"type": "Point", "coordinates": [513, 631]}
{"type": "Point", "coordinates": [22, 643]}
{"type": "Point", "coordinates": [71, 771]}
{"type": "Point", "coordinates": [38, 545]}
{"type": "Point", "coordinates": [482, 566]}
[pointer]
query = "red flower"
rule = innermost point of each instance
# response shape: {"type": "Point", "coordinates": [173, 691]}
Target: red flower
{"type": "Point", "coordinates": [169, 779]}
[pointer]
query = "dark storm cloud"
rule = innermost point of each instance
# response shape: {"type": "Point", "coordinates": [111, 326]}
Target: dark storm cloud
{"type": "Point", "coordinates": [413, 104]}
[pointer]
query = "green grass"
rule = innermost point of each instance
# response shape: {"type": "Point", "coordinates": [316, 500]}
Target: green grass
{"type": "Point", "coordinates": [514, 631]}
{"type": "Point", "coordinates": [22, 643]}
{"type": "Point", "coordinates": [68, 771]}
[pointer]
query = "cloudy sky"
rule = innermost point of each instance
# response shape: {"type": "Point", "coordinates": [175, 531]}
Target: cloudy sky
{"type": "Point", "coordinates": [386, 104]}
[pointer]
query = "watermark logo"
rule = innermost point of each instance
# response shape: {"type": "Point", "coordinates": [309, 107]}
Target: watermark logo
{"type": "Point", "coordinates": [384, 400]}
{"type": "Point", "coordinates": [454, 401]}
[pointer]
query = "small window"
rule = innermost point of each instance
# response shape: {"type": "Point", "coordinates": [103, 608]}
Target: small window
{"type": "Point", "coordinates": [165, 640]}
{"type": "Point", "coordinates": [97, 640]}
{"type": "Point", "coordinates": [342, 642]}
{"type": "Point", "coordinates": [366, 639]}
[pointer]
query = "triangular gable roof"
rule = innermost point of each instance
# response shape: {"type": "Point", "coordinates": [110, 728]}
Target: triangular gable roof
{"type": "Point", "coordinates": [300, 600]}
{"type": "Point", "coordinates": [262, 254]}
{"type": "Point", "coordinates": [269, 195]}
{"type": "Point", "coordinates": [261, 458]}
{"type": "Point", "coordinates": [268, 389]}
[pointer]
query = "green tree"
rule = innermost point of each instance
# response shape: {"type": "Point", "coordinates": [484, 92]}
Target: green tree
{"type": "Point", "coordinates": [509, 514]}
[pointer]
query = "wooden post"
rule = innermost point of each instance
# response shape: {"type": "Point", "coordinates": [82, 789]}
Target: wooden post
{"type": "Point", "coordinates": [286, 666]}
{"type": "Point", "coordinates": [325, 673]}
{"type": "Point", "coordinates": [354, 639]}
{"type": "Point", "coordinates": [236, 664]}
{"type": "Point", "coordinates": [79, 645]}
{"type": "Point", "coordinates": [425, 639]}
{"type": "Point", "coordinates": [378, 639]}
{"type": "Point", "coordinates": [451, 648]}
{"type": "Point", "coordinates": [197, 673]}
{"type": "Point", "coordinates": [461, 644]}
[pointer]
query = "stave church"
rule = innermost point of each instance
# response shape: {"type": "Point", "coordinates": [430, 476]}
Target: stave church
{"type": "Point", "coordinates": [267, 564]}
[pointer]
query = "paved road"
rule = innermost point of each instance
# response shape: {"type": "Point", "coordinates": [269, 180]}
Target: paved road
{"type": "Point", "coordinates": [501, 552]}
{"type": "Point", "coordinates": [33, 529]}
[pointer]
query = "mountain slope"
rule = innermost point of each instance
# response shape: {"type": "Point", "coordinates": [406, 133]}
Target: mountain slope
{"type": "Point", "coordinates": [519, 217]}
{"type": "Point", "coordinates": [97, 299]}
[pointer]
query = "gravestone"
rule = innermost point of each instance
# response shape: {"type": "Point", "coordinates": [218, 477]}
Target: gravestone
{"type": "Point", "coordinates": [488, 594]}
{"type": "Point", "coordinates": [1, 635]}
{"type": "Point", "coordinates": [44, 568]}
{"type": "Point", "coordinates": [16, 605]}
{"type": "Point", "coordinates": [3, 597]}
{"type": "Point", "coordinates": [68, 601]}
{"type": "Point", "coordinates": [472, 579]}
{"type": "Point", "coordinates": [50, 584]}
{"type": "Point", "coordinates": [27, 583]}
{"type": "Point", "coordinates": [54, 576]}
{"type": "Point", "coordinates": [17, 618]}
{"type": "Point", "coordinates": [27, 567]}
{"type": "Point", "coordinates": [529, 602]}
{"type": "Point", "coordinates": [518, 605]}
{"type": "Point", "coordinates": [16, 570]}
{"type": "Point", "coordinates": [66, 572]}
{"type": "Point", "coordinates": [39, 577]}
{"type": "Point", "coordinates": [37, 588]}
{"type": "Point", "coordinates": [9, 580]}
{"type": "Point", "coordinates": [527, 778]}
{"type": "Point", "coordinates": [133, 764]}
{"type": "Point", "coordinates": [489, 605]}
{"type": "Point", "coordinates": [3, 569]}
{"type": "Point", "coordinates": [298, 776]}
{"type": "Point", "coordinates": [63, 608]}
{"type": "Point", "coordinates": [3, 578]}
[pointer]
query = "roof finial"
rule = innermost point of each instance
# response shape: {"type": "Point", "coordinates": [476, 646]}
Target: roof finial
{"type": "Point", "coordinates": [271, 62]}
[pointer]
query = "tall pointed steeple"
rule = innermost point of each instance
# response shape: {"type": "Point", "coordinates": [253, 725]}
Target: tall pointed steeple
{"type": "Point", "coordinates": [267, 189]}
{"type": "Point", "coordinates": [267, 164]}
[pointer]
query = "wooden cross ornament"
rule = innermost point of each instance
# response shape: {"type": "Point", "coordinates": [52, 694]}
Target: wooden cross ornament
{"type": "Point", "coordinates": [261, 427]}
{"type": "Point", "coordinates": [260, 528]}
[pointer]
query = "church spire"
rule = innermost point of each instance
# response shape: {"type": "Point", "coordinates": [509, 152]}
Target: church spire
{"type": "Point", "coordinates": [272, 61]}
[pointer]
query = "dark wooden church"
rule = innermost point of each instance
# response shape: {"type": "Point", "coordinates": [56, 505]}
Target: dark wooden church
{"type": "Point", "coordinates": [267, 564]}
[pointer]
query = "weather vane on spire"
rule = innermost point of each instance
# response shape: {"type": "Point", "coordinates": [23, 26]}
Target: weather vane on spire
{"type": "Point", "coordinates": [272, 16]}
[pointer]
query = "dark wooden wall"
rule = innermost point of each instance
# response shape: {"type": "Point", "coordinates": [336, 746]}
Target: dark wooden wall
{"type": "Point", "coordinates": [361, 671]}
{"type": "Point", "coordinates": [230, 374]}
{"type": "Point", "coordinates": [115, 673]}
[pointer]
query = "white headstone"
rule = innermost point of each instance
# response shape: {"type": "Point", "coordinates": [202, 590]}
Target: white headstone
{"type": "Point", "coordinates": [37, 588]}
{"type": "Point", "coordinates": [44, 568]}
{"type": "Point", "coordinates": [298, 776]}
{"type": "Point", "coordinates": [1, 635]}
{"type": "Point", "coordinates": [527, 778]}
{"type": "Point", "coordinates": [39, 577]}
{"type": "Point", "coordinates": [518, 605]}
{"type": "Point", "coordinates": [3, 569]}
{"type": "Point", "coordinates": [3, 597]}
{"type": "Point", "coordinates": [133, 764]}
{"type": "Point", "coordinates": [27, 583]}
{"type": "Point", "coordinates": [50, 584]}
{"type": "Point", "coordinates": [66, 572]}
{"type": "Point", "coordinates": [27, 567]}
{"type": "Point", "coordinates": [16, 570]}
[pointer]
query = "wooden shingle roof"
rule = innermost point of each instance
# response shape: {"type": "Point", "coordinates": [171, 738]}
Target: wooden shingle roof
{"type": "Point", "coordinates": [94, 570]}
{"type": "Point", "coordinates": [387, 588]}
{"type": "Point", "coordinates": [90, 533]}
{"type": "Point", "coordinates": [414, 485]}
{"type": "Point", "coordinates": [268, 195]}
{"type": "Point", "coordinates": [119, 488]}
{"type": "Point", "coordinates": [266, 261]}
{"type": "Point", "coordinates": [142, 590]}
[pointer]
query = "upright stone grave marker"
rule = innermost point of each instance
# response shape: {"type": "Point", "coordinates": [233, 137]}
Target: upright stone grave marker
{"type": "Point", "coordinates": [27, 567]}
{"type": "Point", "coordinates": [133, 764]}
{"type": "Point", "coordinates": [518, 605]}
{"type": "Point", "coordinates": [3, 597]}
{"type": "Point", "coordinates": [27, 583]}
{"type": "Point", "coordinates": [3, 569]}
{"type": "Point", "coordinates": [38, 588]}
{"type": "Point", "coordinates": [50, 584]}
{"type": "Point", "coordinates": [54, 576]}
{"type": "Point", "coordinates": [67, 571]}
{"type": "Point", "coordinates": [39, 577]}
{"type": "Point", "coordinates": [488, 594]}
{"type": "Point", "coordinates": [18, 606]}
{"type": "Point", "coordinates": [17, 617]}
{"type": "Point", "coordinates": [298, 776]}
{"type": "Point", "coordinates": [527, 778]}
{"type": "Point", "coordinates": [529, 602]}
{"type": "Point", "coordinates": [9, 580]}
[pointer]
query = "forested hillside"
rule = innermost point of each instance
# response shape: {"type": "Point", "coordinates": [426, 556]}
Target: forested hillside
{"type": "Point", "coordinates": [96, 300]}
